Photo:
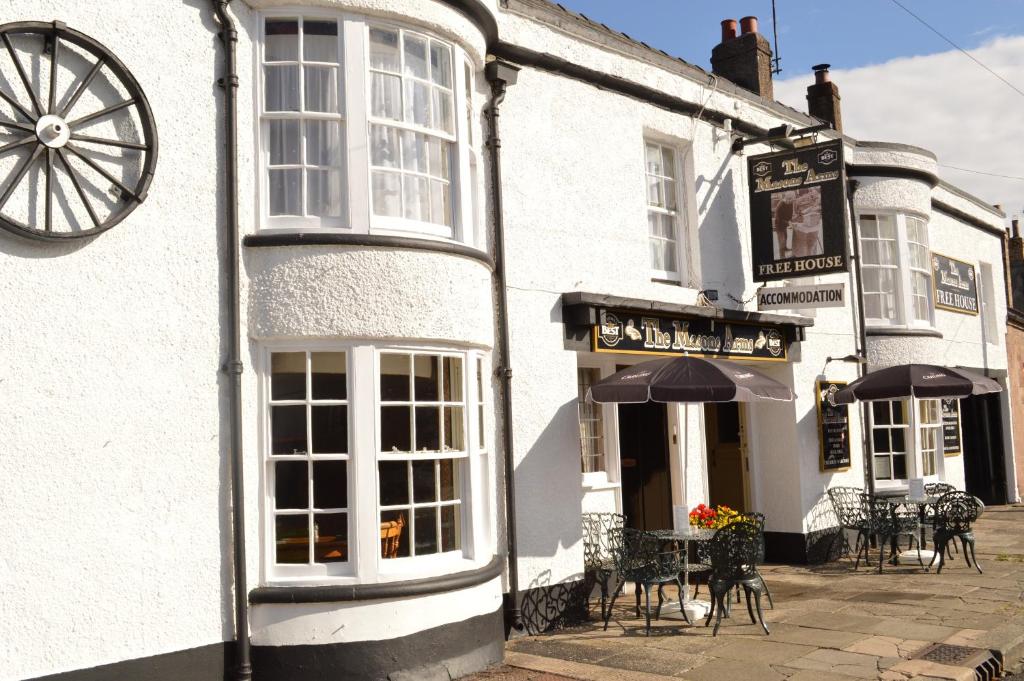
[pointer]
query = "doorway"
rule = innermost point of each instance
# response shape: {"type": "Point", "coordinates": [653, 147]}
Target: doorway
{"type": "Point", "coordinates": [727, 455]}
{"type": "Point", "coordinates": [984, 467]}
{"type": "Point", "coordinates": [644, 461]}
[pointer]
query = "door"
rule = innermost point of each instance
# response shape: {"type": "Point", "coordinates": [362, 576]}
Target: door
{"type": "Point", "coordinates": [982, 433]}
{"type": "Point", "coordinates": [644, 458]}
{"type": "Point", "coordinates": [727, 463]}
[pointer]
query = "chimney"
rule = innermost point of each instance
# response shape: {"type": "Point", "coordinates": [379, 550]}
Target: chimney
{"type": "Point", "coordinates": [1015, 262]}
{"type": "Point", "coordinates": [823, 98]}
{"type": "Point", "coordinates": [745, 60]}
{"type": "Point", "coordinates": [1016, 244]}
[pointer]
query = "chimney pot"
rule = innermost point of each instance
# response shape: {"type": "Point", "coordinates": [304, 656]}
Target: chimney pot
{"type": "Point", "coordinates": [748, 25]}
{"type": "Point", "coordinates": [1015, 228]}
{"type": "Point", "coordinates": [821, 74]}
{"type": "Point", "coordinates": [728, 30]}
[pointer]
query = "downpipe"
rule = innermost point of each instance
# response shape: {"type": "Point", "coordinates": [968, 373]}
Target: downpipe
{"type": "Point", "coordinates": [500, 75]}
{"type": "Point", "coordinates": [233, 367]}
{"type": "Point", "coordinates": [862, 337]}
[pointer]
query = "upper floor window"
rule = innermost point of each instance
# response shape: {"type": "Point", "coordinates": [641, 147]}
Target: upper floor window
{"type": "Point", "coordinates": [663, 210]}
{"type": "Point", "coordinates": [988, 304]}
{"type": "Point", "coordinates": [360, 128]}
{"type": "Point", "coordinates": [896, 276]}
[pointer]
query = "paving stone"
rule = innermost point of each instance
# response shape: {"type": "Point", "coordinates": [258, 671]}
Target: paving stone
{"type": "Point", "coordinates": [818, 675]}
{"type": "Point", "coordinates": [578, 670]}
{"type": "Point", "coordinates": [934, 669]}
{"type": "Point", "coordinates": [879, 646]}
{"type": "Point", "coordinates": [722, 669]}
{"type": "Point", "coordinates": [563, 650]}
{"type": "Point", "coordinates": [837, 657]}
{"type": "Point", "coordinates": [918, 630]}
{"type": "Point", "coordinates": [964, 637]}
{"type": "Point", "coordinates": [839, 622]}
{"type": "Point", "coordinates": [654, 661]}
{"type": "Point", "coordinates": [821, 638]}
{"type": "Point", "coordinates": [765, 650]}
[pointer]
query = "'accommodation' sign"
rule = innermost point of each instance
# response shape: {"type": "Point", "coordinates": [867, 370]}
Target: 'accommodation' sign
{"type": "Point", "coordinates": [955, 285]}
{"type": "Point", "coordinates": [798, 212]}
{"type": "Point", "coordinates": [640, 333]}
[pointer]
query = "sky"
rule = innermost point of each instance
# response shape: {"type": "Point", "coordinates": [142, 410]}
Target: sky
{"type": "Point", "coordinates": [899, 81]}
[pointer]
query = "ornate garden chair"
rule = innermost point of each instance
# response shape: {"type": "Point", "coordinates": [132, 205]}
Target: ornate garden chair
{"type": "Point", "coordinates": [954, 514]}
{"type": "Point", "coordinates": [733, 552]}
{"type": "Point", "coordinates": [601, 532]}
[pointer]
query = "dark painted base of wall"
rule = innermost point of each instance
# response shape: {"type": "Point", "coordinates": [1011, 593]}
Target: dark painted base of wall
{"type": "Point", "coordinates": [208, 663]}
{"type": "Point", "coordinates": [555, 606]}
{"type": "Point", "coordinates": [820, 546]}
{"type": "Point", "coordinates": [437, 654]}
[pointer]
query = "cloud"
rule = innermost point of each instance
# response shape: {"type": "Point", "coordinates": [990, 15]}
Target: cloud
{"type": "Point", "coordinates": [945, 103]}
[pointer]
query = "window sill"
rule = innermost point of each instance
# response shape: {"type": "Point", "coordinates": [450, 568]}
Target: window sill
{"type": "Point", "coordinates": [920, 332]}
{"type": "Point", "coordinates": [318, 238]}
{"type": "Point", "coordinates": [366, 592]}
{"type": "Point", "coordinates": [596, 485]}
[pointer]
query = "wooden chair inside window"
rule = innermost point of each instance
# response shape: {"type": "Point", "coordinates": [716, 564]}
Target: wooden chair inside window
{"type": "Point", "coordinates": [391, 537]}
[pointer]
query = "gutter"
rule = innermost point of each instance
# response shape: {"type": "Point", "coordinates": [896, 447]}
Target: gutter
{"type": "Point", "coordinates": [500, 75]}
{"type": "Point", "coordinates": [233, 367]}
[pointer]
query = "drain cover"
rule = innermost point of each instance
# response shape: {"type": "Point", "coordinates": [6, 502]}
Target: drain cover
{"type": "Point", "coordinates": [949, 654]}
{"type": "Point", "coordinates": [983, 662]}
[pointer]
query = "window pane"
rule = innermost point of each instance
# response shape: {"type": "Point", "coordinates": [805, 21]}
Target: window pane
{"type": "Point", "coordinates": [449, 479]}
{"type": "Point", "coordinates": [384, 146]}
{"type": "Point", "coordinates": [670, 194]}
{"type": "Point", "coordinates": [654, 197]}
{"type": "Point", "coordinates": [450, 530]}
{"type": "Point", "coordinates": [282, 88]}
{"type": "Point", "coordinates": [329, 376]}
{"type": "Point", "coordinates": [330, 429]}
{"type": "Point", "coordinates": [288, 376]}
{"type": "Point", "coordinates": [444, 110]}
{"type": "Point", "coordinates": [414, 151]}
{"type": "Point", "coordinates": [320, 40]}
{"type": "Point", "coordinates": [869, 251]}
{"type": "Point", "coordinates": [868, 227]}
{"type": "Point", "coordinates": [331, 537]}
{"type": "Point", "coordinates": [387, 194]}
{"type": "Point", "coordinates": [899, 466]}
{"type": "Point", "coordinates": [883, 468]}
{"type": "Point", "coordinates": [440, 153]}
{"type": "Point", "coordinates": [653, 157]}
{"type": "Point", "coordinates": [416, 198]}
{"type": "Point", "coordinates": [330, 484]}
{"type": "Point", "coordinates": [394, 377]}
{"type": "Point", "coordinates": [880, 438]}
{"type": "Point", "coordinates": [323, 193]}
{"type": "Point", "coordinates": [417, 103]}
{"type": "Point", "coordinates": [663, 226]}
{"type": "Point", "coordinates": [394, 540]}
{"type": "Point", "coordinates": [282, 40]}
{"type": "Point", "coordinates": [669, 165]}
{"type": "Point", "coordinates": [426, 531]}
{"type": "Point", "coordinates": [292, 533]}
{"type": "Point", "coordinates": [428, 429]}
{"type": "Point", "coordinates": [453, 379]}
{"type": "Point", "coordinates": [323, 143]}
{"type": "Point", "coordinates": [415, 56]}
{"type": "Point", "coordinates": [291, 485]}
{"type": "Point", "coordinates": [440, 203]}
{"type": "Point", "coordinates": [424, 486]}
{"type": "Point", "coordinates": [481, 433]}
{"type": "Point", "coordinates": [880, 413]}
{"type": "Point", "coordinates": [386, 96]}
{"type": "Point", "coordinates": [285, 192]}
{"type": "Point", "coordinates": [394, 483]}
{"type": "Point", "coordinates": [285, 137]}
{"type": "Point", "coordinates": [441, 64]}
{"type": "Point", "coordinates": [384, 50]}
{"type": "Point", "coordinates": [872, 306]}
{"type": "Point", "coordinates": [321, 92]}
{"type": "Point", "coordinates": [928, 463]}
{"type": "Point", "coordinates": [899, 412]}
{"type": "Point", "coordinates": [288, 430]}
{"type": "Point", "coordinates": [395, 434]}
{"type": "Point", "coordinates": [886, 227]}
{"type": "Point", "coordinates": [427, 378]}
{"type": "Point", "coordinates": [454, 429]}
{"type": "Point", "coordinates": [899, 441]}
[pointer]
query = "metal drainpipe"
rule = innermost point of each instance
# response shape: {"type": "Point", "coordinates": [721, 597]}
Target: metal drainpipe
{"type": "Point", "coordinates": [500, 75]}
{"type": "Point", "coordinates": [862, 368]}
{"type": "Point", "coordinates": [229, 82]}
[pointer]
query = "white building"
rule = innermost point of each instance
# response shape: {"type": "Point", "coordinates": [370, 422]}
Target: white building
{"type": "Point", "coordinates": [371, 294]}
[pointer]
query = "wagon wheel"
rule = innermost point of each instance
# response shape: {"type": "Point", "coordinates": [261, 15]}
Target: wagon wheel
{"type": "Point", "coordinates": [78, 143]}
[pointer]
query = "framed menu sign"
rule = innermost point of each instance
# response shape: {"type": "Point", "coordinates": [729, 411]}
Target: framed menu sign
{"type": "Point", "coordinates": [833, 427]}
{"type": "Point", "coordinates": [951, 427]}
{"type": "Point", "coordinates": [954, 284]}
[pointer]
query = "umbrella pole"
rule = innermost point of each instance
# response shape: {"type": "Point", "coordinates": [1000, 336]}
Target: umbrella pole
{"type": "Point", "coordinates": [862, 338]}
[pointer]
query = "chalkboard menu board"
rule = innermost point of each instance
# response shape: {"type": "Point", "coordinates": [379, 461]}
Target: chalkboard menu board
{"type": "Point", "coordinates": [833, 427]}
{"type": "Point", "coordinates": [951, 427]}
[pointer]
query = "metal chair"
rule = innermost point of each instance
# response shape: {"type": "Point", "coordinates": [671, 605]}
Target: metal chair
{"type": "Point", "coordinates": [850, 513]}
{"type": "Point", "coordinates": [937, 489]}
{"type": "Point", "coordinates": [757, 520]}
{"type": "Point", "coordinates": [599, 546]}
{"type": "Point", "coordinates": [888, 522]}
{"type": "Point", "coordinates": [733, 552]}
{"type": "Point", "coordinates": [641, 559]}
{"type": "Point", "coordinates": [954, 513]}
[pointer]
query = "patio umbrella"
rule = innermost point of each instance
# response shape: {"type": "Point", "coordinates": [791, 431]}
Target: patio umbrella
{"type": "Point", "coordinates": [916, 380]}
{"type": "Point", "coordinates": [688, 379]}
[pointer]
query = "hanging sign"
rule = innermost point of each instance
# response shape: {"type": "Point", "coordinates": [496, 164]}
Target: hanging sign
{"type": "Point", "coordinates": [798, 212]}
{"type": "Point", "coordinates": [951, 427]}
{"type": "Point", "coordinates": [954, 284]}
{"type": "Point", "coordinates": [652, 334]}
{"type": "Point", "coordinates": [833, 427]}
{"type": "Point", "coordinates": [796, 297]}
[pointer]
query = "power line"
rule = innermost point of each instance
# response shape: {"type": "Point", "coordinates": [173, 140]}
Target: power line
{"type": "Point", "coordinates": [972, 57]}
{"type": "Point", "coordinates": [982, 172]}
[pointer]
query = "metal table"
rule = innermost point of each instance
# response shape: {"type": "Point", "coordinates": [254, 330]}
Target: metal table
{"type": "Point", "coordinates": [692, 534]}
{"type": "Point", "coordinates": [922, 504]}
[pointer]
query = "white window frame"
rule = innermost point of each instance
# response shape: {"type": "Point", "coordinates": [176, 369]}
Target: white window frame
{"type": "Point", "coordinates": [602, 469]}
{"type": "Point", "coordinates": [354, 98]}
{"type": "Point", "coordinates": [679, 214]}
{"type": "Point", "coordinates": [914, 444]}
{"type": "Point", "coordinates": [904, 287]}
{"type": "Point", "coordinates": [609, 477]}
{"type": "Point", "coordinates": [365, 565]}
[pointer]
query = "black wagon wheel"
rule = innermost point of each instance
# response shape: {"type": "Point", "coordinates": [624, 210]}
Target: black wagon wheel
{"type": "Point", "coordinates": [78, 143]}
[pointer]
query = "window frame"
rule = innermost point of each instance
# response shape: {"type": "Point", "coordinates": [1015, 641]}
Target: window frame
{"type": "Point", "coordinates": [679, 214]}
{"type": "Point", "coordinates": [365, 565]}
{"type": "Point", "coordinates": [904, 272]}
{"type": "Point", "coordinates": [987, 302]}
{"type": "Point", "coordinates": [609, 477]}
{"type": "Point", "coordinates": [354, 100]}
{"type": "Point", "coordinates": [913, 439]}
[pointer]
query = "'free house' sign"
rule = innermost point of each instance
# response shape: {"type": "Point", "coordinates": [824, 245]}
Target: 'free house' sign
{"type": "Point", "coordinates": [954, 284]}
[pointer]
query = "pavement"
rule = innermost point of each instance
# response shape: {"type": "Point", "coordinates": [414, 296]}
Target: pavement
{"type": "Point", "coordinates": [830, 623]}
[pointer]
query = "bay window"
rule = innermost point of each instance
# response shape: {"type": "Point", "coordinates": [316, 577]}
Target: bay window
{"type": "Point", "coordinates": [906, 439]}
{"type": "Point", "coordinates": [360, 130]}
{"type": "Point", "coordinates": [896, 275]}
{"type": "Point", "coordinates": [374, 438]}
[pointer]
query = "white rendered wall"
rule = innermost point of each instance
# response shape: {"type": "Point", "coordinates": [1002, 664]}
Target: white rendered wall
{"type": "Point", "coordinates": [113, 520]}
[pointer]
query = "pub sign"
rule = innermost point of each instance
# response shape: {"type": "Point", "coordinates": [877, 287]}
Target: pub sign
{"type": "Point", "coordinates": [798, 212]}
{"type": "Point", "coordinates": [955, 284]}
{"type": "Point", "coordinates": [833, 427]}
{"type": "Point", "coordinates": [951, 427]}
{"type": "Point", "coordinates": [641, 333]}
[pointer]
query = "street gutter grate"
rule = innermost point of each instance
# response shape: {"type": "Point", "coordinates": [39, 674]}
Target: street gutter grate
{"type": "Point", "coordinates": [985, 665]}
